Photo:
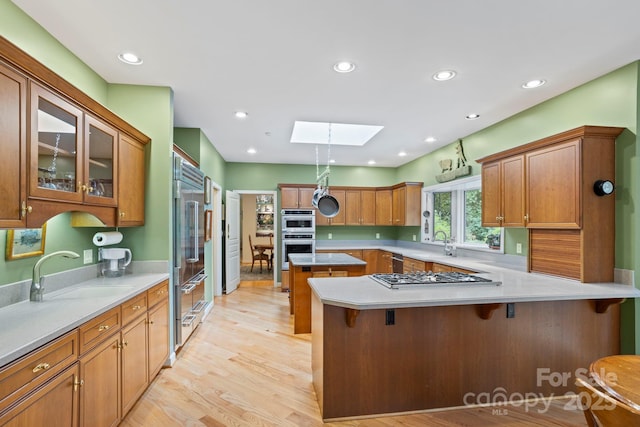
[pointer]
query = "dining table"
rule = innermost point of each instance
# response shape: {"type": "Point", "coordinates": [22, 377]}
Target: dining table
{"type": "Point", "coordinates": [619, 376]}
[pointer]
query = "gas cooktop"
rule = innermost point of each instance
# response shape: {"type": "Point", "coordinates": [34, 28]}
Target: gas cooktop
{"type": "Point", "coordinates": [428, 278]}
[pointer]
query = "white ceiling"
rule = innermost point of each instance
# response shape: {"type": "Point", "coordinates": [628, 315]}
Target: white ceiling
{"type": "Point", "coordinates": [274, 58]}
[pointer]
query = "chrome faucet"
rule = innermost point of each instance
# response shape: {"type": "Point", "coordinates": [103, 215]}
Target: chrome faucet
{"type": "Point", "coordinates": [37, 288]}
{"type": "Point", "coordinates": [449, 249]}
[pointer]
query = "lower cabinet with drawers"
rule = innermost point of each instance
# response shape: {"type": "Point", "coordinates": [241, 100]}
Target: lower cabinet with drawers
{"type": "Point", "coordinates": [93, 375]}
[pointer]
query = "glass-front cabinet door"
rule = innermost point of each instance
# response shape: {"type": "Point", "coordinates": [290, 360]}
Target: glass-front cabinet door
{"type": "Point", "coordinates": [101, 143]}
{"type": "Point", "coordinates": [56, 148]}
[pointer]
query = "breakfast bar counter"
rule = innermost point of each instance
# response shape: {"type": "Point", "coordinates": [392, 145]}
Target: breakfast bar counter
{"type": "Point", "coordinates": [377, 350]}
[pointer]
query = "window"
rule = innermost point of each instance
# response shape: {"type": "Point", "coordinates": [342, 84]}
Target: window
{"type": "Point", "coordinates": [453, 211]}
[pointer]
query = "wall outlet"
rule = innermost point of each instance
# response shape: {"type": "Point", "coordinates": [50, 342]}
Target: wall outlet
{"type": "Point", "coordinates": [88, 256]}
{"type": "Point", "coordinates": [414, 237]}
{"type": "Point", "coordinates": [518, 248]}
{"type": "Point", "coordinates": [377, 235]}
{"type": "Point", "coordinates": [330, 236]}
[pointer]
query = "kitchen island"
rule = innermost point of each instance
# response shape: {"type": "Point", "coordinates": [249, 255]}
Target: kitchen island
{"type": "Point", "coordinates": [305, 266]}
{"type": "Point", "coordinates": [379, 351]}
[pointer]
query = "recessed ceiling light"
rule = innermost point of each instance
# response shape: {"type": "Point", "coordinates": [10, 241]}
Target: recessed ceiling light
{"type": "Point", "coordinates": [402, 153]}
{"type": "Point", "coordinates": [444, 75]}
{"type": "Point", "coordinates": [130, 58]}
{"type": "Point", "coordinates": [251, 151]}
{"type": "Point", "coordinates": [533, 84]}
{"type": "Point", "coordinates": [332, 161]}
{"type": "Point", "coordinates": [472, 116]}
{"type": "Point", "coordinates": [241, 114]}
{"type": "Point", "coordinates": [430, 139]}
{"type": "Point", "coordinates": [371, 162]}
{"type": "Point", "coordinates": [344, 67]}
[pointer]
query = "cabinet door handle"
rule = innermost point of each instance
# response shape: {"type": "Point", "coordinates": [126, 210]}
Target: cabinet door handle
{"type": "Point", "coordinates": [122, 214]}
{"type": "Point", "coordinates": [25, 209]}
{"type": "Point", "coordinates": [103, 328]}
{"type": "Point", "coordinates": [77, 382]}
{"type": "Point", "coordinates": [136, 307]}
{"type": "Point", "coordinates": [526, 217]}
{"type": "Point", "coordinates": [40, 367]}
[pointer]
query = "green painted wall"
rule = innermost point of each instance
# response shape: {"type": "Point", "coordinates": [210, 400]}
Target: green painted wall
{"type": "Point", "coordinates": [28, 35]}
{"type": "Point", "coordinates": [150, 109]}
{"type": "Point", "coordinates": [267, 176]}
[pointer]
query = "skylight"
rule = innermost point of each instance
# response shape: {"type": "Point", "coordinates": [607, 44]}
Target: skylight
{"type": "Point", "coordinates": [341, 133]}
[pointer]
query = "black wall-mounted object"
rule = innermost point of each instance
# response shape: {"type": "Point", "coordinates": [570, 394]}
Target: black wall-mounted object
{"type": "Point", "coordinates": [603, 187]}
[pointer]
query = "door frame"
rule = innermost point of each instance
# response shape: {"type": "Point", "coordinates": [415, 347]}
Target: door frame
{"type": "Point", "coordinates": [276, 227]}
{"type": "Point", "coordinates": [216, 237]}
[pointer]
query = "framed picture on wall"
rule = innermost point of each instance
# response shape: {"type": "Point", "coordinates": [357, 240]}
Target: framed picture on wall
{"type": "Point", "coordinates": [208, 219]}
{"type": "Point", "coordinates": [207, 190]}
{"type": "Point", "coordinates": [25, 243]}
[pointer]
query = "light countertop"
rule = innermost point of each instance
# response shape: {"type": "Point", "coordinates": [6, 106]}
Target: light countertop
{"type": "Point", "coordinates": [310, 260]}
{"type": "Point", "coordinates": [364, 293]}
{"type": "Point", "coordinates": [28, 325]}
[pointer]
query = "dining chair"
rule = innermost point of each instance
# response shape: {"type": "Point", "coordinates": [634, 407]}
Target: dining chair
{"type": "Point", "coordinates": [258, 255]}
{"type": "Point", "coordinates": [603, 410]}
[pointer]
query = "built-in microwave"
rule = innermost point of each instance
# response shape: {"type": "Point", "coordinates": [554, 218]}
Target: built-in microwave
{"type": "Point", "coordinates": [298, 221]}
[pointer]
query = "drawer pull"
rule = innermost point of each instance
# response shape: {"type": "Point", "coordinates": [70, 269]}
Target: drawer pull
{"type": "Point", "coordinates": [41, 367]}
{"type": "Point", "coordinates": [136, 307]}
{"type": "Point", "coordinates": [103, 328]}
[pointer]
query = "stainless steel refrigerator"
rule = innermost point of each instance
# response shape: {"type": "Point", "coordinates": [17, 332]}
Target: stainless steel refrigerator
{"type": "Point", "coordinates": [188, 250]}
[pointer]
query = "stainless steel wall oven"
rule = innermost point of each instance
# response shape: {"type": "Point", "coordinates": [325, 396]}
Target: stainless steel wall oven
{"type": "Point", "coordinates": [297, 243]}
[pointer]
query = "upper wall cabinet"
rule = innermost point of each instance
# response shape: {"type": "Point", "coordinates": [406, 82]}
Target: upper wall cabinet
{"type": "Point", "coordinates": [406, 203]}
{"type": "Point", "coordinates": [571, 228]}
{"type": "Point", "coordinates": [397, 205]}
{"type": "Point", "coordinates": [71, 144]}
{"type": "Point", "coordinates": [503, 195]}
{"type": "Point", "coordinates": [13, 142]}
{"type": "Point", "coordinates": [296, 197]}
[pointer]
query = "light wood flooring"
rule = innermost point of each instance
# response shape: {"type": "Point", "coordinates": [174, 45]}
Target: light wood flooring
{"type": "Point", "coordinates": [244, 367]}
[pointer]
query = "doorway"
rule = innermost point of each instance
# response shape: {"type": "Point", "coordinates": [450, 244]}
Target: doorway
{"type": "Point", "coordinates": [259, 236]}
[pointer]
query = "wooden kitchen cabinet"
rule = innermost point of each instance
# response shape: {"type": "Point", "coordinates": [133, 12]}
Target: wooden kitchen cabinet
{"type": "Point", "coordinates": [406, 204]}
{"type": "Point", "coordinates": [131, 180]}
{"type": "Point", "coordinates": [30, 372]}
{"type": "Point", "coordinates": [367, 206]}
{"type": "Point", "coordinates": [93, 375]}
{"type": "Point", "coordinates": [371, 258]}
{"type": "Point", "coordinates": [56, 403]}
{"type": "Point", "coordinates": [64, 147]}
{"type": "Point", "coordinates": [13, 101]}
{"type": "Point", "coordinates": [100, 388]}
{"type": "Point", "coordinates": [339, 219]}
{"type": "Point", "coordinates": [554, 186]}
{"type": "Point", "coordinates": [385, 263]}
{"type": "Point", "coordinates": [360, 207]}
{"type": "Point", "coordinates": [384, 207]}
{"type": "Point", "coordinates": [411, 265]}
{"type": "Point", "coordinates": [571, 229]}
{"type": "Point", "coordinates": [135, 366]}
{"type": "Point", "coordinates": [158, 327]}
{"type": "Point", "coordinates": [503, 193]}
{"type": "Point", "coordinates": [296, 197]}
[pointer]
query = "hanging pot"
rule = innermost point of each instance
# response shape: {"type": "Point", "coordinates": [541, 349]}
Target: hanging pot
{"type": "Point", "coordinates": [317, 195]}
{"type": "Point", "coordinates": [328, 205]}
